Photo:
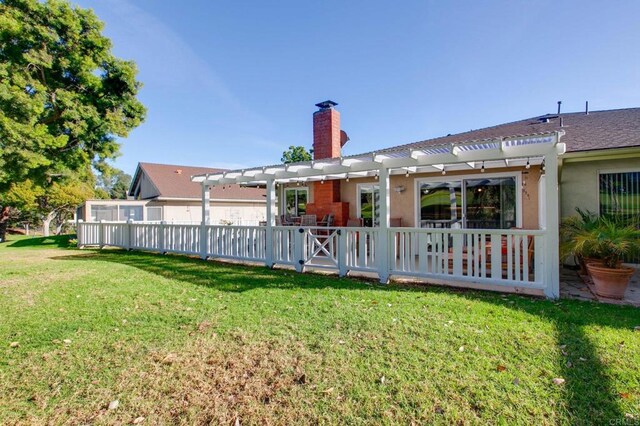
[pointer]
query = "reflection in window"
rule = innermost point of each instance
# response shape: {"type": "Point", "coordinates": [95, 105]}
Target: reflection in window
{"type": "Point", "coordinates": [620, 195]}
{"type": "Point", "coordinates": [296, 201]}
{"type": "Point", "coordinates": [491, 203]}
{"type": "Point", "coordinates": [488, 203]}
{"type": "Point", "coordinates": [369, 199]}
{"type": "Point", "coordinates": [440, 204]}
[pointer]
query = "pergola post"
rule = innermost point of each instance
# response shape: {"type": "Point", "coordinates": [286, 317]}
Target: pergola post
{"type": "Point", "coordinates": [206, 217]}
{"type": "Point", "coordinates": [271, 219]}
{"type": "Point", "coordinates": [385, 219]}
{"type": "Point", "coordinates": [552, 224]}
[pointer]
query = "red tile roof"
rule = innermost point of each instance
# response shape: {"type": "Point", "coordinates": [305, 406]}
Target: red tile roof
{"type": "Point", "coordinates": [173, 181]}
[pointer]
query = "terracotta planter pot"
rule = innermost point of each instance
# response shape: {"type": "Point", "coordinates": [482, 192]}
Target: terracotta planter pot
{"type": "Point", "coordinates": [610, 282]}
{"type": "Point", "coordinates": [582, 261]}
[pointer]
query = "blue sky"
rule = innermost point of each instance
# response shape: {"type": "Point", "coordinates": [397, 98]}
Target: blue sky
{"type": "Point", "coordinates": [233, 83]}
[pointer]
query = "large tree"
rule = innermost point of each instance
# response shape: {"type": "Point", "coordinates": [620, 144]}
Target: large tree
{"type": "Point", "coordinates": [296, 154]}
{"type": "Point", "coordinates": [64, 97]}
{"type": "Point", "coordinates": [115, 183]}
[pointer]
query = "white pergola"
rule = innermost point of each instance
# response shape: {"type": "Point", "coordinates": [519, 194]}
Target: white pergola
{"type": "Point", "coordinates": [513, 151]}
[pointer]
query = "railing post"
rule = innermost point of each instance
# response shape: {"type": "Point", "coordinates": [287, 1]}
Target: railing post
{"type": "Point", "coordinates": [161, 237]}
{"type": "Point", "coordinates": [271, 208]}
{"type": "Point", "coordinates": [127, 235]}
{"type": "Point", "coordinates": [206, 207]}
{"type": "Point", "coordinates": [384, 253]}
{"type": "Point", "coordinates": [552, 222]}
{"type": "Point", "coordinates": [80, 233]}
{"type": "Point", "coordinates": [101, 234]}
{"type": "Point", "coordinates": [342, 252]}
{"type": "Point", "coordinates": [298, 249]}
{"type": "Point", "coordinates": [457, 254]}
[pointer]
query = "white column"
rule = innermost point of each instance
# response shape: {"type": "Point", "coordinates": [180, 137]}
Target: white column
{"type": "Point", "coordinates": [206, 205]}
{"type": "Point", "coordinates": [552, 237]}
{"type": "Point", "coordinates": [206, 217]}
{"type": "Point", "coordinates": [384, 253]}
{"type": "Point", "coordinates": [271, 221]}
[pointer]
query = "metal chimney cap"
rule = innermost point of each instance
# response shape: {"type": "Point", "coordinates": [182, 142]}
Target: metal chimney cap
{"type": "Point", "coordinates": [326, 105]}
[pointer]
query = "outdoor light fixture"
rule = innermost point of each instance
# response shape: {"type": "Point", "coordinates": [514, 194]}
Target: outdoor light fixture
{"type": "Point", "coordinates": [407, 174]}
{"type": "Point", "coordinates": [543, 166]}
{"type": "Point", "coordinates": [322, 181]}
{"type": "Point", "coordinates": [444, 172]}
{"type": "Point", "coordinates": [347, 178]}
{"type": "Point", "coordinates": [528, 165]}
{"type": "Point", "coordinates": [482, 169]}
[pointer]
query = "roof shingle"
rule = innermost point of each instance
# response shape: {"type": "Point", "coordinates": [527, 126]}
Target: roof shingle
{"type": "Point", "coordinates": [173, 181]}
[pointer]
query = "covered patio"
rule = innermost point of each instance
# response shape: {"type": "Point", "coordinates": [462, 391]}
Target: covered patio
{"type": "Point", "coordinates": [519, 260]}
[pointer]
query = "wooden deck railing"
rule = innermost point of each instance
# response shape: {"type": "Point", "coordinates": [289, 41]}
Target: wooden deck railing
{"type": "Point", "coordinates": [482, 256]}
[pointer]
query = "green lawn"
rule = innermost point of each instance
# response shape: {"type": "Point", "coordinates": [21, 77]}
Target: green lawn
{"type": "Point", "coordinates": [179, 340]}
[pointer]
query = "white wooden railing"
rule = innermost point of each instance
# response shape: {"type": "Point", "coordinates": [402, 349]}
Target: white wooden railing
{"type": "Point", "coordinates": [497, 257]}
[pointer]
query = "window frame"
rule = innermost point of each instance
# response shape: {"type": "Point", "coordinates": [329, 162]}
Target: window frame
{"type": "Point", "coordinates": [610, 171]}
{"type": "Point", "coordinates": [296, 189]}
{"type": "Point", "coordinates": [359, 187]}
{"type": "Point", "coordinates": [146, 212]}
{"type": "Point", "coordinates": [514, 174]}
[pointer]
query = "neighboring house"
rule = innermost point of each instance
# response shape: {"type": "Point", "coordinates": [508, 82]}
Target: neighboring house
{"type": "Point", "coordinates": [164, 192]}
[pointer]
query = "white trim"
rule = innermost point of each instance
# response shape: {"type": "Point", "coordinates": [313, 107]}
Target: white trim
{"type": "Point", "coordinates": [462, 177]}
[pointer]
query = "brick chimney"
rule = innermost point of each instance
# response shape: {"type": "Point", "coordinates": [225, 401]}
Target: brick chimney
{"type": "Point", "coordinates": [328, 140]}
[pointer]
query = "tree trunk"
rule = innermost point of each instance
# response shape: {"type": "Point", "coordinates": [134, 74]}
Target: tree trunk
{"type": "Point", "coordinates": [4, 221]}
{"type": "Point", "coordinates": [46, 223]}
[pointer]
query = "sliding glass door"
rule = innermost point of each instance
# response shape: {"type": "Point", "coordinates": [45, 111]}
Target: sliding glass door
{"type": "Point", "coordinates": [476, 202]}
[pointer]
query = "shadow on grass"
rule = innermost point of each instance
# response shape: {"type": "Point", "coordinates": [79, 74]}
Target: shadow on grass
{"type": "Point", "coordinates": [59, 241]}
{"type": "Point", "coordinates": [590, 397]}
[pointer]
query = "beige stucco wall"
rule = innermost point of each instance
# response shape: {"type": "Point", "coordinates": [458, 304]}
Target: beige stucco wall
{"type": "Point", "coordinates": [579, 185]}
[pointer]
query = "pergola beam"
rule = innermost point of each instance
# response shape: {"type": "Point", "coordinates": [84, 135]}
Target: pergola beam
{"type": "Point", "coordinates": [456, 157]}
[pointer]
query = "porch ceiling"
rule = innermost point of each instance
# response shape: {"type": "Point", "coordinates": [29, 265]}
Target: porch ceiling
{"type": "Point", "coordinates": [513, 151]}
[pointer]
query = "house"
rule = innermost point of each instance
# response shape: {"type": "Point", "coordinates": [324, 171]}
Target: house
{"type": "Point", "coordinates": [522, 175]}
{"type": "Point", "coordinates": [164, 192]}
{"type": "Point", "coordinates": [601, 162]}
{"type": "Point", "coordinates": [479, 209]}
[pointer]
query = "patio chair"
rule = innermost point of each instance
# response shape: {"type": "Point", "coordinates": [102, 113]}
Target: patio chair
{"type": "Point", "coordinates": [327, 220]}
{"type": "Point", "coordinates": [308, 220]}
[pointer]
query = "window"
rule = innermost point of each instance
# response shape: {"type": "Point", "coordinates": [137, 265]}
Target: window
{"type": "Point", "coordinates": [154, 214]}
{"type": "Point", "coordinates": [440, 204]}
{"type": "Point", "coordinates": [620, 194]}
{"type": "Point", "coordinates": [487, 202]}
{"type": "Point", "coordinates": [369, 204]}
{"type": "Point", "coordinates": [103, 212]}
{"type": "Point", "coordinates": [130, 213]}
{"type": "Point", "coordinates": [296, 201]}
{"type": "Point", "coordinates": [490, 203]}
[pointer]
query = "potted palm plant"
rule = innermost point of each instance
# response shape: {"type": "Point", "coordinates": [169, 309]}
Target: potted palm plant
{"type": "Point", "coordinates": [572, 227]}
{"type": "Point", "coordinates": [612, 241]}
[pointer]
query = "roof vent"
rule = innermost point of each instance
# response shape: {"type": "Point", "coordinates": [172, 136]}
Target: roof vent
{"type": "Point", "coordinates": [547, 118]}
